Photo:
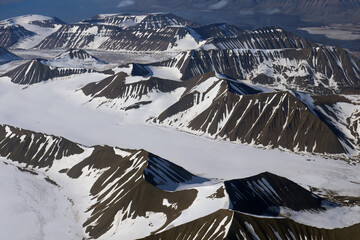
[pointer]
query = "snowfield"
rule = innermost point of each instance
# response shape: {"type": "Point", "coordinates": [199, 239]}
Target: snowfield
{"type": "Point", "coordinates": [34, 208]}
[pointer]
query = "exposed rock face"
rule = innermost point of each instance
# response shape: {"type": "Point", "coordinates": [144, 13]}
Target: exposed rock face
{"type": "Point", "coordinates": [152, 32]}
{"type": "Point", "coordinates": [320, 70]}
{"type": "Point", "coordinates": [141, 22]}
{"type": "Point", "coordinates": [116, 87]}
{"type": "Point", "coordinates": [34, 149]}
{"type": "Point", "coordinates": [12, 34]}
{"type": "Point", "coordinates": [264, 38]}
{"type": "Point", "coordinates": [225, 224]}
{"type": "Point", "coordinates": [78, 36]}
{"type": "Point", "coordinates": [135, 185]}
{"type": "Point", "coordinates": [122, 189]}
{"type": "Point", "coordinates": [150, 40]}
{"type": "Point", "coordinates": [218, 30]}
{"type": "Point", "coordinates": [26, 31]}
{"type": "Point", "coordinates": [35, 71]}
{"type": "Point", "coordinates": [257, 195]}
{"type": "Point", "coordinates": [47, 23]}
{"type": "Point", "coordinates": [228, 109]}
{"type": "Point", "coordinates": [236, 113]}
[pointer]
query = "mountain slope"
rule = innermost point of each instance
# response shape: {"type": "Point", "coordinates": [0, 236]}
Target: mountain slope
{"type": "Point", "coordinates": [141, 22]}
{"type": "Point", "coordinates": [314, 70]}
{"type": "Point", "coordinates": [223, 108]}
{"type": "Point", "coordinates": [124, 190]}
{"type": "Point", "coordinates": [263, 38]}
{"type": "Point", "coordinates": [219, 108]}
{"type": "Point", "coordinates": [168, 38]}
{"type": "Point", "coordinates": [76, 58]}
{"type": "Point", "coordinates": [218, 30]}
{"type": "Point", "coordinates": [78, 36]}
{"type": "Point", "coordinates": [7, 56]}
{"type": "Point", "coordinates": [34, 71]}
{"type": "Point", "coordinates": [27, 31]}
{"type": "Point", "coordinates": [151, 32]}
{"type": "Point", "coordinates": [225, 224]}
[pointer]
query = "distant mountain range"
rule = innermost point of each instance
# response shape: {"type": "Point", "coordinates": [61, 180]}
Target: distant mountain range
{"type": "Point", "coordinates": [324, 11]}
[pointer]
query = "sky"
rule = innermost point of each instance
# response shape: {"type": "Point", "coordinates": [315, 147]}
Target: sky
{"type": "Point", "coordinates": [67, 10]}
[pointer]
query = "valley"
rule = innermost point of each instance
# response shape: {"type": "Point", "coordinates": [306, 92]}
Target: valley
{"type": "Point", "coordinates": [156, 127]}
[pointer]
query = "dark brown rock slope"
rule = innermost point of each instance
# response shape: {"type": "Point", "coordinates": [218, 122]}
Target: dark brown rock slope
{"type": "Point", "coordinates": [34, 71]}
{"type": "Point", "coordinates": [129, 184]}
{"type": "Point", "coordinates": [230, 225]}
{"type": "Point", "coordinates": [320, 70]}
{"type": "Point", "coordinates": [276, 119]}
{"type": "Point", "coordinates": [12, 34]}
{"type": "Point", "coordinates": [264, 38]}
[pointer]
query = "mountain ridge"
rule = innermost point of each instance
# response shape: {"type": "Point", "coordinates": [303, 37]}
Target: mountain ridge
{"type": "Point", "coordinates": [122, 171]}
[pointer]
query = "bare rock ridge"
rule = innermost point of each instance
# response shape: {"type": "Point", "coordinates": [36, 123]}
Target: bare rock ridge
{"type": "Point", "coordinates": [130, 186]}
{"type": "Point", "coordinates": [218, 30]}
{"type": "Point", "coordinates": [275, 119]}
{"type": "Point", "coordinates": [141, 22]}
{"type": "Point", "coordinates": [10, 35]}
{"type": "Point", "coordinates": [168, 176]}
{"type": "Point", "coordinates": [229, 109]}
{"type": "Point", "coordinates": [70, 62]}
{"type": "Point", "coordinates": [78, 54]}
{"type": "Point", "coordinates": [320, 70]}
{"type": "Point", "coordinates": [116, 87]}
{"type": "Point", "coordinates": [229, 225]}
{"type": "Point", "coordinates": [225, 85]}
{"type": "Point", "coordinates": [26, 31]}
{"type": "Point", "coordinates": [34, 149]}
{"type": "Point", "coordinates": [77, 36]}
{"type": "Point", "coordinates": [263, 38]}
{"type": "Point", "coordinates": [152, 32]}
{"type": "Point", "coordinates": [257, 195]}
{"type": "Point", "coordinates": [35, 71]}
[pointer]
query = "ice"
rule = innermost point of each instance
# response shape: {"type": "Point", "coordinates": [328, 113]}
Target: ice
{"type": "Point", "coordinates": [34, 208]}
{"type": "Point", "coordinates": [170, 73]}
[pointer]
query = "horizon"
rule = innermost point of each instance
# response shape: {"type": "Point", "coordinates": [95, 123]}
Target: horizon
{"type": "Point", "coordinates": [68, 11]}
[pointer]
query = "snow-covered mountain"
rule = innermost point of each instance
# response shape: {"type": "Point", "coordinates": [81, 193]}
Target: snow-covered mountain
{"type": "Point", "coordinates": [141, 22]}
{"type": "Point", "coordinates": [264, 38]}
{"type": "Point", "coordinates": [151, 32]}
{"type": "Point", "coordinates": [144, 194]}
{"type": "Point", "coordinates": [235, 135]}
{"type": "Point", "coordinates": [314, 70]}
{"type": "Point", "coordinates": [27, 31]}
{"type": "Point", "coordinates": [76, 58]}
{"type": "Point", "coordinates": [35, 71]}
{"type": "Point", "coordinates": [221, 107]}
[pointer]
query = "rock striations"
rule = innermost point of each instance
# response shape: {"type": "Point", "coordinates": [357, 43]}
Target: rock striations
{"type": "Point", "coordinates": [125, 178]}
